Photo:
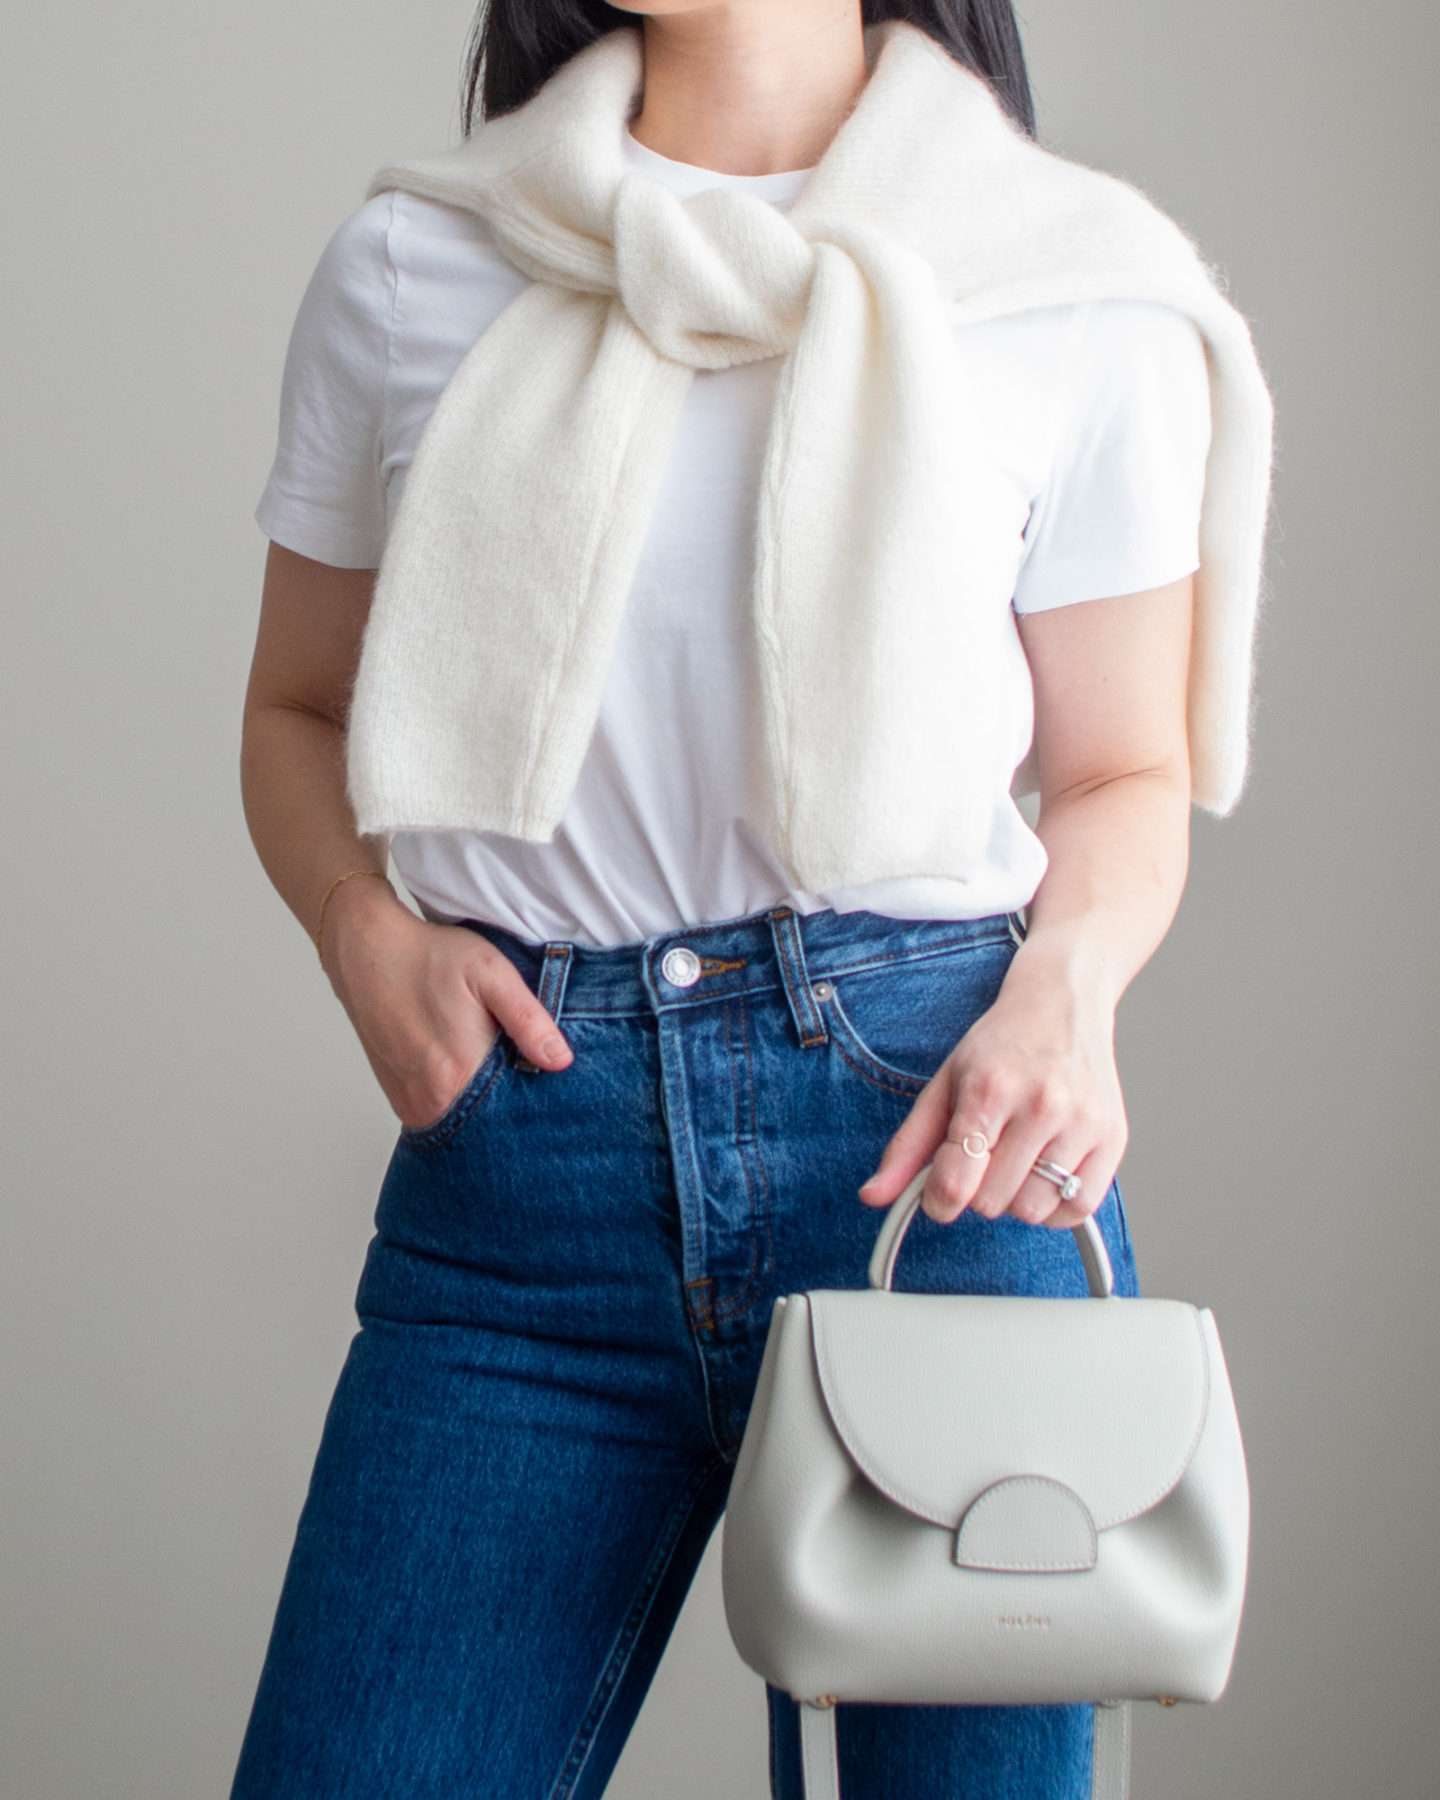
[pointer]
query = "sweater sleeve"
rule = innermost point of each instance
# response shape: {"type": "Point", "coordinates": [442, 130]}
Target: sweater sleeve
{"type": "Point", "coordinates": [325, 496]}
{"type": "Point", "coordinates": [1120, 513]}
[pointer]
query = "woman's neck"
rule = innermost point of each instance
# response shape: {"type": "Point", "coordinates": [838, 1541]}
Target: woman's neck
{"type": "Point", "coordinates": [750, 87]}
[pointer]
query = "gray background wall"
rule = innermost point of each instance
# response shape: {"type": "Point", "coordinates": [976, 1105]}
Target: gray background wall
{"type": "Point", "coordinates": [192, 1141]}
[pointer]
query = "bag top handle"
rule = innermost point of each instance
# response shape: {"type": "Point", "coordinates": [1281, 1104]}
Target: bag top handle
{"type": "Point", "coordinates": [1098, 1273]}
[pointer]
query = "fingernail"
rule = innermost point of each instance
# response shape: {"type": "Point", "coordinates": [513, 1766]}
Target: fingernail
{"type": "Point", "coordinates": [555, 1050]}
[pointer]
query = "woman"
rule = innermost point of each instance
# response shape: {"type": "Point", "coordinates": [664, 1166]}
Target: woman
{"type": "Point", "coordinates": [735, 568]}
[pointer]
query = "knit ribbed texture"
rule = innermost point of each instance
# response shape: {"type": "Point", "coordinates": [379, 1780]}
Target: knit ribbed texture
{"type": "Point", "coordinates": [887, 647]}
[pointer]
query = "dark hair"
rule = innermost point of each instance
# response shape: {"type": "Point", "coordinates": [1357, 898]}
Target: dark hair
{"type": "Point", "coordinates": [517, 45]}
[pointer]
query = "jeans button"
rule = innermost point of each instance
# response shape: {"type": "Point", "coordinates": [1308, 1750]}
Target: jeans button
{"type": "Point", "coordinates": [680, 967]}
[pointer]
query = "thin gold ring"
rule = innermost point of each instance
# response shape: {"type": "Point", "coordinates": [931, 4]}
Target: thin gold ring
{"type": "Point", "coordinates": [978, 1137]}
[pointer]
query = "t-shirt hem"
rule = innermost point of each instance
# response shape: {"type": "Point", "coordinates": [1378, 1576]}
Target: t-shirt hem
{"type": "Point", "coordinates": [1099, 582]}
{"type": "Point", "coordinates": [296, 528]}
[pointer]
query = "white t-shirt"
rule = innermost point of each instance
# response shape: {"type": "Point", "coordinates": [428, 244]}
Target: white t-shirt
{"type": "Point", "coordinates": [1096, 415]}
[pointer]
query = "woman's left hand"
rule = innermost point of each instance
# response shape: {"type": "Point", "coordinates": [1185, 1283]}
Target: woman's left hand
{"type": "Point", "coordinates": [1035, 1077]}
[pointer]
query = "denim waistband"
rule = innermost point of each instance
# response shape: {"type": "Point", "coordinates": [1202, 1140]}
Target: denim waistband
{"type": "Point", "coordinates": [697, 964]}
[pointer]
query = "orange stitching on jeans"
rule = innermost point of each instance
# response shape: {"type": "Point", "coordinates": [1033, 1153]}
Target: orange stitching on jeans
{"type": "Point", "coordinates": [717, 965]}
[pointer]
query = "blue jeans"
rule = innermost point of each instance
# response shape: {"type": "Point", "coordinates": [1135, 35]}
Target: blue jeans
{"type": "Point", "coordinates": [562, 1316]}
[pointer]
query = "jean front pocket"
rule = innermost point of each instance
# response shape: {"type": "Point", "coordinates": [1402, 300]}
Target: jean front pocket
{"type": "Point", "coordinates": [434, 1136]}
{"type": "Point", "coordinates": [893, 1022]}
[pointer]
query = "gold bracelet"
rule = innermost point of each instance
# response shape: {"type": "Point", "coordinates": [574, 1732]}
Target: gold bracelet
{"type": "Point", "coordinates": [379, 875]}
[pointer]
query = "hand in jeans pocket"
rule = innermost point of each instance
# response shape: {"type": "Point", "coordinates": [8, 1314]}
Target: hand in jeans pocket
{"type": "Point", "coordinates": [429, 1002]}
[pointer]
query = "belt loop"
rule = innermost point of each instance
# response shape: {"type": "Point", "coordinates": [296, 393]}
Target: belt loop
{"type": "Point", "coordinates": [554, 973]}
{"type": "Point", "coordinates": [790, 950]}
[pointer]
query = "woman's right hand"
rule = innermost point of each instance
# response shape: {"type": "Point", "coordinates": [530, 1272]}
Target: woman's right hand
{"type": "Point", "coordinates": [427, 1001]}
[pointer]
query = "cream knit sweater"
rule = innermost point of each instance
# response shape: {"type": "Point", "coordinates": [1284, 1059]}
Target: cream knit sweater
{"type": "Point", "coordinates": [887, 644]}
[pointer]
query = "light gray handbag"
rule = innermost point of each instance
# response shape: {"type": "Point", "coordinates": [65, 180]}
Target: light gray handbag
{"type": "Point", "coordinates": [972, 1500]}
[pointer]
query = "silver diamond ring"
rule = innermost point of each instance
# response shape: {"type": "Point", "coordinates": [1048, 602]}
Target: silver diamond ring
{"type": "Point", "coordinates": [1068, 1184]}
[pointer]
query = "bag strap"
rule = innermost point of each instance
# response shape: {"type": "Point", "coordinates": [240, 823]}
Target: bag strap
{"type": "Point", "coordinates": [819, 1758]}
{"type": "Point", "coordinates": [1098, 1273]}
{"type": "Point", "coordinates": [1109, 1757]}
{"type": "Point", "coordinates": [1110, 1754]}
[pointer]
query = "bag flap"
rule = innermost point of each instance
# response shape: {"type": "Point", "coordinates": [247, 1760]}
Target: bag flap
{"type": "Point", "coordinates": [937, 1397]}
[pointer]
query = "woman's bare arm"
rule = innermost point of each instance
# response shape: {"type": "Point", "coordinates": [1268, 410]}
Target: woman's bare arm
{"type": "Point", "coordinates": [1037, 1073]}
{"type": "Point", "coordinates": [425, 1000]}
{"type": "Point", "coordinates": [292, 755]}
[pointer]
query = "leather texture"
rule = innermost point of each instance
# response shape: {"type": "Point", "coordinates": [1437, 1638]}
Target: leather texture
{"type": "Point", "coordinates": [1110, 1762]}
{"type": "Point", "coordinates": [982, 1500]}
{"type": "Point", "coordinates": [819, 1754]}
{"type": "Point", "coordinates": [1028, 1524]}
{"type": "Point", "coordinates": [893, 1369]}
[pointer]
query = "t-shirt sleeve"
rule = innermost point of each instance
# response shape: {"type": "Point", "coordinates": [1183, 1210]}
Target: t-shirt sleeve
{"type": "Point", "coordinates": [1120, 513]}
{"type": "Point", "coordinates": [325, 497]}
